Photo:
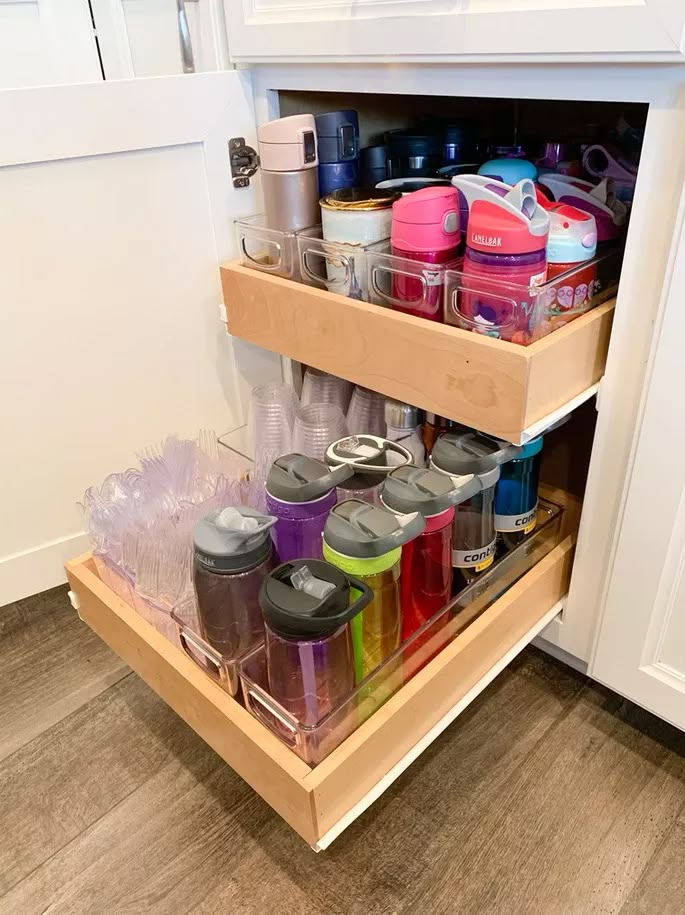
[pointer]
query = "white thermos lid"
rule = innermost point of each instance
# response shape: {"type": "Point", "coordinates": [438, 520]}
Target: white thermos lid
{"type": "Point", "coordinates": [288, 144]}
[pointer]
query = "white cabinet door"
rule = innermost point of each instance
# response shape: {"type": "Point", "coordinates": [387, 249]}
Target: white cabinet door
{"type": "Point", "coordinates": [440, 30]}
{"type": "Point", "coordinates": [640, 650]}
{"type": "Point", "coordinates": [160, 37]}
{"type": "Point", "coordinates": [117, 207]}
{"type": "Point", "coordinates": [46, 41]}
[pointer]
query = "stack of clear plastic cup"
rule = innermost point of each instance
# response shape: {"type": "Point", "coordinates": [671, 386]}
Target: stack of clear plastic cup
{"type": "Point", "coordinates": [272, 415]}
{"type": "Point", "coordinates": [320, 387]}
{"type": "Point", "coordinates": [316, 426]}
{"type": "Point", "coordinates": [366, 413]}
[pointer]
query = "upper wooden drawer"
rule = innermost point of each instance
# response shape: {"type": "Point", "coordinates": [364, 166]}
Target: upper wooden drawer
{"type": "Point", "coordinates": [498, 387]}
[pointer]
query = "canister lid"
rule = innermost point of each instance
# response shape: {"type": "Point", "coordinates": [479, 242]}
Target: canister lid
{"type": "Point", "coordinates": [415, 489]}
{"type": "Point", "coordinates": [459, 453]}
{"type": "Point", "coordinates": [308, 599]}
{"type": "Point", "coordinates": [359, 198]}
{"type": "Point", "coordinates": [359, 529]}
{"type": "Point", "coordinates": [368, 454]}
{"type": "Point", "coordinates": [329, 124]}
{"type": "Point", "coordinates": [232, 539]}
{"type": "Point", "coordinates": [297, 478]}
{"type": "Point", "coordinates": [401, 415]}
{"type": "Point", "coordinates": [288, 144]}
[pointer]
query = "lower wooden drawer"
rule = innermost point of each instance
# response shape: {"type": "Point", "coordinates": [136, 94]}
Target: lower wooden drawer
{"type": "Point", "coordinates": [319, 802]}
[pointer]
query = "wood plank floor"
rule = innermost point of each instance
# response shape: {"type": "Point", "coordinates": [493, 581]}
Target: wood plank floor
{"type": "Point", "coordinates": [550, 795]}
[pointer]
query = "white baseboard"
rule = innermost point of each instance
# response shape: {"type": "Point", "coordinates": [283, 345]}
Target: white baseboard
{"type": "Point", "coordinates": [38, 569]}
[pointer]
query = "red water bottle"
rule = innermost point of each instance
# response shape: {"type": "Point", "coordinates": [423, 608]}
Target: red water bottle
{"type": "Point", "coordinates": [425, 227]}
{"type": "Point", "coordinates": [426, 564]}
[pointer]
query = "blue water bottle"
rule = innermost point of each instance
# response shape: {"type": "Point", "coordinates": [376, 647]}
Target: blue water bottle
{"type": "Point", "coordinates": [338, 146]}
{"type": "Point", "coordinates": [516, 495]}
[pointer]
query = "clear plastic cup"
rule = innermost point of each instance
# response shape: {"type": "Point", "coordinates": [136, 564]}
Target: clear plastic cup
{"type": "Point", "coordinates": [366, 413]}
{"type": "Point", "coordinates": [316, 426]}
{"type": "Point", "coordinates": [320, 387]}
{"type": "Point", "coordinates": [272, 415]}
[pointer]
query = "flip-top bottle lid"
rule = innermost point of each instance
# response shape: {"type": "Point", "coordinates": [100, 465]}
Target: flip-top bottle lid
{"type": "Point", "coordinates": [288, 144]}
{"type": "Point", "coordinates": [459, 453]}
{"type": "Point", "coordinates": [362, 530]}
{"type": "Point", "coordinates": [297, 478]}
{"type": "Point", "coordinates": [308, 599]}
{"type": "Point", "coordinates": [511, 224]}
{"type": "Point", "coordinates": [415, 489]}
{"type": "Point", "coordinates": [329, 123]}
{"type": "Point", "coordinates": [367, 454]}
{"type": "Point", "coordinates": [572, 235]}
{"type": "Point", "coordinates": [427, 220]}
{"type": "Point", "coordinates": [232, 539]}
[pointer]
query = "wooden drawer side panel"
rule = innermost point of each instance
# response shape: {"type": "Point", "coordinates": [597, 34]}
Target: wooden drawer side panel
{"type": "Point", "coordinates": [342, 780]}
{"type": "Point", "coordinates": [250, 749]}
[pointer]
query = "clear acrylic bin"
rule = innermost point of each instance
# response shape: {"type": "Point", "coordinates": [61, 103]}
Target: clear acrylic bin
{"type": "Point", "coordinates": [336, 266]}
{"type": "Point", "coordinates": [267, 249]}
{"type": "Point", "coordinates": [221, 669]}
{"type": "Point", "coordinates": [410, 286]}
{"type": "Point", "coordinates": [314, 743]}
{"type": "Point", "coordinates": [524, 314]}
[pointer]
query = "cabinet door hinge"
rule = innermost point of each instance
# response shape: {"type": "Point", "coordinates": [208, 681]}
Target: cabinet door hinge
{"type": "Point", "coordinates": [244, 161]}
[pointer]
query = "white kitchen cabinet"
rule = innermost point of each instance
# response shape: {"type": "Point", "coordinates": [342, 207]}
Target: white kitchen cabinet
{"type": "Point", "coordinates": [157, 169]}
{"type": "Point", "coordinates": [455, 30]}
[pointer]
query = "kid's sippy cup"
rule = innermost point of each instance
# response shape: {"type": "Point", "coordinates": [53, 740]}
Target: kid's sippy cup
{"type": "Point", "coordinates": [365, 540]}
{"type": "Point", "coordinates": [572, 241]}
{"type": "Point", "coordinates": [506, 238]}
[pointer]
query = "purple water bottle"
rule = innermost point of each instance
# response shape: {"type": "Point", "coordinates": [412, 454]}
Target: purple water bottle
{"type": "Point", "coordinates": [300, 492]}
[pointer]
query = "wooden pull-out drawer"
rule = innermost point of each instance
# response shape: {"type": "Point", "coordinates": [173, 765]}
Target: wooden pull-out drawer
{"type": "Point", "coordinates": [495, 386]}
{"type": "Point", "coordinates": [319, 802]}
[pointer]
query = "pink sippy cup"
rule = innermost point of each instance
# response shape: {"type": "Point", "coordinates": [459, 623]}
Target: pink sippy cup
{"type": "Point", "coordinates": [425, 227]}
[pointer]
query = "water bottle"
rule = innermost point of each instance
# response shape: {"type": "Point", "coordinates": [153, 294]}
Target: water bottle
{"type": "Point", "coordinates": [516, 495]}
{"type": "Point", "coordinates": [426, 564]}
{"type": "Point", "coordinates": [472, 459]}
{"type": "Point", "coordinates": [232, 554]}
{"type": "Point", "coordinates": [371, 459]}
{"type": "Point", "coordinates": [338, 145]}
{"type": "Point", "coordinates": [300, 491]}
{"type": "Point", "coordinates": [307, 606]}
{"type": "Point", "coordinates": [287, 152]}
{"type": "Point", "coordinates": [365, 540]}
{"type": "Point", "coordinates": [425, 227]}
{"type": "Point", "coordinates": [506, 240]}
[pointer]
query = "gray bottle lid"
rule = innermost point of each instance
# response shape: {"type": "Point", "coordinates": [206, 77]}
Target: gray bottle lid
{"type": "Point", "coordinates": [429, 492]}
{"type": "Point", "coordinates": [368, 454]}
{"type": "Point", "coordinates": [296, 478]}
{"type": "Point", "coordinates": [459, 453]}
{"type": "Point", "coordinates": [362, 530]}
{"type": "Point", "coordinates": [221, 547]}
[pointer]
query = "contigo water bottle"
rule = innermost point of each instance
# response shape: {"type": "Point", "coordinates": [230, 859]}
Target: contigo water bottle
{"type": "Point", "coordinates": [232, 554]}
{"type": "Point", "coordinates": [307, 606]}
{"type": "Point", "coordinates": [365, 540]}
{"type": "Point", "coordinates": [506, 240]}
{"type": "Point", "coordinates": [425, 227]}
{"type": "Point", "coordinates": [472, 459]}
{"type": "Point", "coordinates": [426, 566]}
{"type": "Point", "coordinates": [300, 491]}
{"type": "Point", "coordinates": [371, 459]}
{"type": "Point", "coordinates": [516, 495]}
{"type": "Point", "coordinates": [287, 151]}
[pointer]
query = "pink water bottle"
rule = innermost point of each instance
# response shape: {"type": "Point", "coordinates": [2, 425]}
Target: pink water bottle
{"type": "Point", "coordinates": [506, 240]}
{"type": "Point", "coordinates": [425, 227]}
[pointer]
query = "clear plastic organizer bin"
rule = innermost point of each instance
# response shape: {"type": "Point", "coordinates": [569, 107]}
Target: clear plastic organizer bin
{"type": "Point", "coordinates": [267, 249]}
{"type": "Point", "coordinates": [524, 314]}
{"type": "Point", "coordinates": [222, 669]}
{"type": "Point", "coordinates": [313, 743]}
{"type": "Point", "coordinates": [336, 266]}
{"type": "Point", "coordinates": [403, 284]}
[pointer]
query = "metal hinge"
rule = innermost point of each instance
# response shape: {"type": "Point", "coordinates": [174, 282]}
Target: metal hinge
{"type": "Point", "coordinates": [244, 161]}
